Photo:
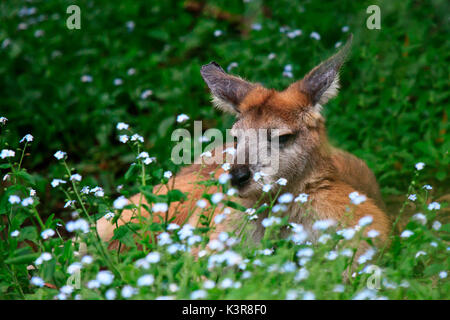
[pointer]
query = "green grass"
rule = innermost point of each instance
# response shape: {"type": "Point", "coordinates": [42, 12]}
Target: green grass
{"type": "Point", "coordinates": [392, 112]}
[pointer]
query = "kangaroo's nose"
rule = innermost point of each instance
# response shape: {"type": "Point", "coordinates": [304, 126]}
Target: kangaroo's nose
{"type": "Point", "coordinates": [240, 175]}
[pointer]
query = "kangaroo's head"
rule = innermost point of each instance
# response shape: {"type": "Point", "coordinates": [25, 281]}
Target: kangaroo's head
{"type": "Point", "coordinates": [285, 126]}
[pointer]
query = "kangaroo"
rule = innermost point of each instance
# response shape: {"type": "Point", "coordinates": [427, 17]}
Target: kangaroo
{"type": "Point", "coordinates": [306, 159]}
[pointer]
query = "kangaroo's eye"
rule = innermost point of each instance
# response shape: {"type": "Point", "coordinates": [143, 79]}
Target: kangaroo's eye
{"type": "Point", "coordinates": [285, 138]}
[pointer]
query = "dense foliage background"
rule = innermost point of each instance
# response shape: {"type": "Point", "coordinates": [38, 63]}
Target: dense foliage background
{"type": "Point", "coordinates": [69, 88]}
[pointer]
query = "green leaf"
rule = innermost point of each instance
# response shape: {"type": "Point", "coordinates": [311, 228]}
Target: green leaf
{"type": "Point", "coordinates": [23, 259]}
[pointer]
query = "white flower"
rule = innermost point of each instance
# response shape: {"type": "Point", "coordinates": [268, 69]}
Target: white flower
{"type": "Point", "coordinates": [288, 267]}
{"type": "Point", "coordinates": [80, 224]}
{"type": "Point", "coordinates": [266, 188]}
{"type": "Point", "coordinates": [226, 283]}
{"type": "Point", "coordinates": [74, 267]}
{"type": "Point", "coordinates": [305, 252]}
{"type": "Point", "coordinates": [198, 294]}
{"type": "Point", "coordinates": [294, 33]}
{"type": "Point", "coordinates": [271, 56]}
{"type": "Point", "coordinates": [373, 233]}
{"type": "Point", "coordinates": [45, 256]}
{"type": "Point", "coordinates": [434, 206]}
{"type": "Point", "coordinates": [37, 281]}
{"type": "Point", "coordinates": [59, 155]}
{"type": "Point", "coordinates": [209, 284]}
{"type": "Point", "coordinates": [57, 182]}
{"type": "Point", "coordinates": [118, 82]}
{"type": "Point", "coordinates": [286, 198]}
{"type": "Point", "coordinates": [193, 239]}
{"type": "Point", "coordinates": [93, 284]}
{"type": "Point", "coordinates": [420, 165]}
{"type": "Point", "coordinates": [218, 33]}
{"type": "Point", "coordinates": [338, 44]}
{"type": "Point", "coordinates": [226, 166]}
{"type": "Point", "coordinates": [15, 233]}
{"type": "Point", "coordinates": [109, 215]}
{"type": "Point", "coordinates": [105, 277]}
{"type": "Point", "coordinates": [86, 78]}
{"type": "Point", "coordinates": [217, 197]}
{"type": "Point", "coordinates": [224, 177]}
{"type": "Point", "coordinates": [131, 71]}
{"type": "Point", "coordinates": [368, 255]}
{"type": "Point", "coordinates": [281, 181]}
{"type": "Point", "coordinates": [443, 274]}
{"type": "Point", "coordinates": [406, 234]}
{"type": "Point", "coordinates": [153, 257]}
{"type": "Point", "coordinates": [206, 154]}
{"type": "Point", "coordinates": [122, 126]}
{"type": "Point", "coordinates": [120, 202]}
{"type": "Point", "coordinates": [231, 66]}
{"type": "Point", "coordinates": [427, 187]}
{"type": "Point", "coordinates": [130, 25]}
{"type": "Point", "coordinates": [164, 238]}
{"type": "Point", "coordinates": [145, 94]}
{"type": "Point", "coordinates": [75, 177]}
{"type": "Point", "coordinates": [216, 245]}
{"type": "Point", "coordinates": [202, 203]}
{"type": "Point", "coordinates": [6, 153]}
{"type": "Point", "coordinates": [348, 233]}
{"type": "Point", "coordinates": [27, 202]}
{"type": "Point", "coordinates": [66, 289]}
{"type": "Point", "coordinates": [279, 207]}
{"type": "Point", "coordinates": [110, 294]}
{"type": "Point", "coordinates": [436, 225]}
{"type": "Point", "coordinates": [173, 226]}
{"type": "Point", "coordinates": [146, 280]}
{"type": "Point", "coordinates": [160, 207]}
{"type": "Point", "coordinates": [230, 150]}
{"type": "Point", "coordinates": [167, 174]}
{"type": "Point", "coordinates": [315, 35]}
{"type": "Point", "coordinates": [47, 233]}
{"type": "Point", "coordinates": [123, 138]}
{"type": "Point", "coordinates": [308, 295]}
{"type": "Point", "coordinates": [136, 137]}
{"type": "Point", "coordinates": [345, 29]}
{"type": "Point", "coordinates": [182, 118]}
{"type": "Point", "coordinates": [258, 175]}
{"type": "Point", "coordinates": [323, 224]}
{"type": "Point", "coordinates": [412, 197]}
{"type": "Point", "coordinates": [128, 291]}
{"type": "Point", "coordinates": [14, 199]}
{"type": "Point", "coordinates": [420, 217]}
{"type": "Point", "coordinates": [357, 198]}
{"type": "Point", "coordinates": [339, 288]}
{"type": "Point", "coordinates": [143, 155]}
{"type": "Point", "coordinates": [147, 161]}
{"type": "Point", "coordinates": [256, 26]}
{"type": "Point", "coordinates": [3, 120]}
{"type": "Point", "coordinates": [87, 259]}
{"type": "Point", "coordinates": [27, 138]}
{"type": "Point", "coordinates": [302, 197]}
{"type": "Point", "coordinates": [420, 253]}
{"type": "Point", "coordinates": [69, 203]}
{"type": "Point", "coordinates": [219, 218]}
{"type": "Point", "coordinates": [302, 274]}
{"type": "Point", "coordinates": [365, 221]}
{"type": "Point", "coordinates": [267, 222]}
{"type": "Point", "coordinates": [173, 287]}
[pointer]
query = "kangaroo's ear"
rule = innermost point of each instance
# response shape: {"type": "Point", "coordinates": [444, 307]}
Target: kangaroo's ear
{"type": "Point", "coordinates": [228, 91]}
{"type": "Point", "coordinates": [322, 83]}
